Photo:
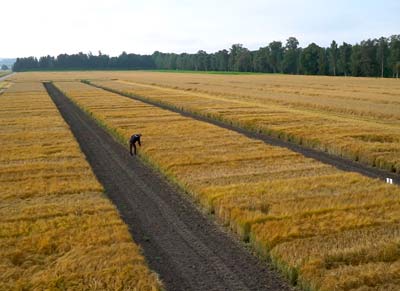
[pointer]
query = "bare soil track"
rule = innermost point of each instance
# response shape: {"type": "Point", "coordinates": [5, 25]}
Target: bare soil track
{"type": "Point", "coordinates": [186, 248]}
{"type": "Point", "coordinates": [6, 76]}
{"type": "Point", "coordinates": [336, 161]}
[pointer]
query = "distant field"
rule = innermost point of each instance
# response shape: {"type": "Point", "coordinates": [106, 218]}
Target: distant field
{"type": "Point", "coordinates": [357, 118]}
{"type": "Point", "coordinates": [205, 72]}
{"type": "Point", "coordinates": [325, 228]}
{"type": "Point", "coordinates": [57, 229]}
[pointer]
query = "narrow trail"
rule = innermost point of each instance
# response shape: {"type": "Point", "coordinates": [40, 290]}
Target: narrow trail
{"type": "Point", "coordinates": [6, 76]}
{"type": "Point", "coordinates": [185, 248]}
{"type": "Point", "coordinates": [336, 161]}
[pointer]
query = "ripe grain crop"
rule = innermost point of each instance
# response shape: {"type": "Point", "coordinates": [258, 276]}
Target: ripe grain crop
{"type": "Point", "coordinates": [358, 119]}
{"type": "Point", "coordinates": [371, 97]}
{"type": "Point", "coordinates": [325, 228]}
{"type": "Point", "coordinates": [58, 231]}
{"type": "Point", "coordinates": [3, 86]}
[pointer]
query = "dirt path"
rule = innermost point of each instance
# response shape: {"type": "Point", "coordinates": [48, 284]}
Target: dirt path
{"type": "Point", "coordinates": [6, 76]}
{"type": "Point", "coordinates": [187, 249]}
{"type": "Point", "coordinates": [336, 161]}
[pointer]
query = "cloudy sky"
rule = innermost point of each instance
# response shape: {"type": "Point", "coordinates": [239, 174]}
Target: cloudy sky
{"type": "Point", "coordinates": [44, 27]}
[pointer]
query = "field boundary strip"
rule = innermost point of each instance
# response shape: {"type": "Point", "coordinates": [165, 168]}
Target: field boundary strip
{"type": "Point", "coordinates": [326, 158]}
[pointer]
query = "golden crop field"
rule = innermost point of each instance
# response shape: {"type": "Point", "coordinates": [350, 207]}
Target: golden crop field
{"type": "Point", "coordinates": [4, 85]}
{"type": "Point", "coordinates": [355, 118]}
{"type": "Point", "coordinates": [325, 228]}
{"type": "Point", "coordinates": [58, 231]}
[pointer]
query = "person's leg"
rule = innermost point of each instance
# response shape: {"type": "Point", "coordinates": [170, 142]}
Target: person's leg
{"type": "Point", "coordinates": [130, 148]}
{"type": "Point", "coordinates": [134, 146]}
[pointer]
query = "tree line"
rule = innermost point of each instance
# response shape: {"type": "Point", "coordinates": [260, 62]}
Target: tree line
{"type": "Point", "coordinates": [369, 58]}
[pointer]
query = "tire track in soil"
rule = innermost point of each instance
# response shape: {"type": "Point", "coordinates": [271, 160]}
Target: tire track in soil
{"type": "Point", "coordinates": [185, 248]}
{"type": "Point", "coordinates": [324, 157]}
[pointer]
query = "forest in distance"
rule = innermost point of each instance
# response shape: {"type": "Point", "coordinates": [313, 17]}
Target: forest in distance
{"type": "Point", "coordinates": [369, 58]}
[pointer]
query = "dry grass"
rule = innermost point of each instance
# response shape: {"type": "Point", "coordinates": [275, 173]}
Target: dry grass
{"type": "Point", "coordinates": [325, 228]}
{"type": "Point", "coordinates": [355, 118]}
{"type": "Point", "coordinates": [57, 229]}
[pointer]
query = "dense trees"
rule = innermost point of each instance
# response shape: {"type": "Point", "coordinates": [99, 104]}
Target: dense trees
{"type": "Point", "coordinates": [83, 61]}
{"type": "Point", "coordinates": [290, 62]}
{"type": "Point", "coordinates": [394, 55]}
{"type": "Point", "coordinates": [372, 57]}
{"type": "Point", "coordinates": [344, 59]}
{"type": "Point", "coordinates": [275, 56]}
{"type": "Point", "coordinates": [333, 53]}
{"type": "Point", "coordinates": [309, 60]}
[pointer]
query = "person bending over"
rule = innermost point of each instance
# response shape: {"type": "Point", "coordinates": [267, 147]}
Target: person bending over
{"type": "Point", "coordinates": [132, 142]}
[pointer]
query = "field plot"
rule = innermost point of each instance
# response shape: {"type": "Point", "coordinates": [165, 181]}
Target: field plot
{"type": "Point", "coordinates": [57, 229]}
{"type": "Point", "coordinates": [358, 119]}
{"type": "Point", "coordinates": [325, 228]}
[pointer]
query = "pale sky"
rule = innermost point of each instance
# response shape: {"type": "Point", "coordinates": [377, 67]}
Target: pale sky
{"type": "Point", "coordinates": [41, 27]}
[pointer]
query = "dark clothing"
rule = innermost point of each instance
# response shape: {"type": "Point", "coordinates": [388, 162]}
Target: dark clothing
{"type": "Point", "coordinates": [132, 143]}
{"type": "Point", "coordinates": [135, 138]}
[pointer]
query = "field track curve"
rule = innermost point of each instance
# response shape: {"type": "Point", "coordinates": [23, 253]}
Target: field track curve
{"type": "Point", "coordinates": [185, 248]}
{"type": "Point", "coordinates": [336, 161]}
